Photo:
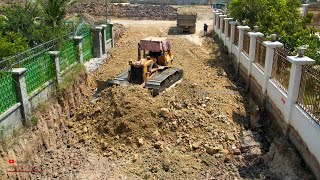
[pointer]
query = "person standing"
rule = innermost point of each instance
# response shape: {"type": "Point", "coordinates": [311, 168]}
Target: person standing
{"type": "Point", "coordinates": [205, 29]}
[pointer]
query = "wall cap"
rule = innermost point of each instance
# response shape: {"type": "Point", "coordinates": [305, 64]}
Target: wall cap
{"type": "Point", "coordinates": [78, 38]}
{"type": "Point", "coordinates": [272, 45]}
{"type": "Point", "coordinates": [301, 60]}
{"type": "Point", "coordinates": [227, 19]}
{"type": "Point", "coordinates": [97, 28]}
{"type": "Point", "coordinates": [54, 53]}
{"type": "Point", "coordinates": [243, 27]}
{"type": "Point", "coordinates": [19, 71]}
{"type": "Point", "coordinates": [255, 34]}
{"type": "Point", "coordinates": [103, 26]}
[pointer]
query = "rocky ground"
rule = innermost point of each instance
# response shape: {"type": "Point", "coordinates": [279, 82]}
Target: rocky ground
{"type": "Point", "coordinates": [200, 129]}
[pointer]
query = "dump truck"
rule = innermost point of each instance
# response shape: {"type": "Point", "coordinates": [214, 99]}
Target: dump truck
{"type": "Point", "coordinates": [186, 21]}
{"type": "Point", "coordinates": [153, 68]}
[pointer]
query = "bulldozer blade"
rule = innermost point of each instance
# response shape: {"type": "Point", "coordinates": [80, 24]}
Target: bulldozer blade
{"type": "Point", "coordinates": [120, 80]}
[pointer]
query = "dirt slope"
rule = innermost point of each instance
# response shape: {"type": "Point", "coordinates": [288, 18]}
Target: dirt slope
{"type": "Point", "coordinates": [198, 129]}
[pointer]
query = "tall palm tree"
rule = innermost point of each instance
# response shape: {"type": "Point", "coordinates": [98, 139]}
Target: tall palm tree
{"type": "Point", "coordinates": [54, 10]}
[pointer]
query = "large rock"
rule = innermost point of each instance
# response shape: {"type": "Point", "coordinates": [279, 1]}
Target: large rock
{"type": "Point", "coordinates": [164, 112]}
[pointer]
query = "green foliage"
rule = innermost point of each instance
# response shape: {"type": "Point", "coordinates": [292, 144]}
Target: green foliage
{"type": "Point", "coordinates": [12, 43]}
{"type": "Point", "coordinates": [27, 25]}
{"type": "Point", "coordinates": [281, 17]}
{"type": "Point", "coordinates": [54, 10]}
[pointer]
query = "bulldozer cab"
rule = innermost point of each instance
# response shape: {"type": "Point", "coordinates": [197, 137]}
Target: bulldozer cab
{"type": "Point", "coordinates": [157, 49]}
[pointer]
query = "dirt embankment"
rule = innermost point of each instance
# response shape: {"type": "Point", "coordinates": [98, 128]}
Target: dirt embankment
{"type": "Point", "coordinates": [49, 145]}
{"type": "Point", "coordinates": [154, 12]}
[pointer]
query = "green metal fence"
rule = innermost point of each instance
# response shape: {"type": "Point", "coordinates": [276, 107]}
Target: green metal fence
{"type": "Point", "coordinates": [108, 32]}
{"type": "Point", "coordinates": [87, 48]}
{"type": "Point", "coordinates": [8, 93]}
{"type": "Point", "coordinates": [40, 69]}
{"type": "Point", "coordinates": [67, 55]}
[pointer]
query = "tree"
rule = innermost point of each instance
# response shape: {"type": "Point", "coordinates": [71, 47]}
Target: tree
{"type": "Point", "coordinates": [280, 17]}
{"type": "Point", "coordinates": [12, 43]}
{"type": "Point", "coordinates": [54, 10]}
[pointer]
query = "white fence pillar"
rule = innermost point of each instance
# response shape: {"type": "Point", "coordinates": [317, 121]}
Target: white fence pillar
{"type": "Point", "coordinates": [55, 58]}
{"type": "Point", "coordinates": [214, 20]}
{"type": "Point", "coordinates": [294, 82]}
{"type": "Point", "coordinates": [305, 9]}
{"type": "Point", "coordinates": [268, 62]}
{"type": "Point", "coordinates": [221, 17]}
{"type": "Point", "coordinates": [97, 42]}
{"type": "Point", "coordinates": [217, 22]}
{"type": "Point", "coordinates": [78, 40]}
{"type": "Point", "coordinates": [233, 31]}
{"type": "Point", "coordinates": [252, 50]}
{"type": "Point", "coordinates": [226, 29]}
{"type": "Point", "coordinates": [21, 86]}
{"type": "Point", "coordinates": [240, 43]}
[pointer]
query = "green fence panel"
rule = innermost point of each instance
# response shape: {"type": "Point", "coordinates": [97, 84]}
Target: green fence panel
{"type": "Point", "coordinates": [108, 32]}
{"type": "Point", "coordinates": [67, 55]}
{"type": "Point", "coordinates": [40, 69]}
{"type": "Point", "coordinates": [8, 93]}
{"type": "Point", "coordinates": [87, 48]}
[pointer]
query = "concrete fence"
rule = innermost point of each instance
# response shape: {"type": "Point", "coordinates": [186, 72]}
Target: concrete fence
{"type": "Point", "coordinates": [280, 104]}
{"type": "Point", "coordinates": [27, 102]}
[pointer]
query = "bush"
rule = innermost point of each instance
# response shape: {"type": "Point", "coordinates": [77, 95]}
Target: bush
{"type": "Point", "coordinates": [281, 17]}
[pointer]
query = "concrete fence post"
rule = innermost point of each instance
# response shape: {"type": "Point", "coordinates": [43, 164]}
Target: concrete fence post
{"type": "Point", "coordinates": [78, 41]}
{"type": "Point", "coordinates": [233, 31]}
{"type": "Point", "coordinates": [240, 43]}
{"type": "Point", "coordinates": [217, 22]}
{"type": "Point", "coordinates": [252, 50]}
{"type": "Point", "coordinates": [294, 82]}
{"type": "Point", "coordinates": [104, 38]}
{"type": "Point", "coordinates": [305, 8]}
{"type": "Point", "coordinates": [271, 46]}
{"type": "Point", "coordinates": [226, 29]}
{"type": "Point", "coordinates": [21, 87]}
{"type": "Point", "coordinates": [55, 57]}
{"type": "Point", "coordinates": [97, 43]}
{"type": "Point", "coordinates": [113, 35]}
{"type": "Point", "coordinates": [214, 20]}
{"type": "Point", "coordinates": [221, 17]}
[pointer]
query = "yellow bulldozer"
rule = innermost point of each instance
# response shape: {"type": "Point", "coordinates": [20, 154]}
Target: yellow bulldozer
{"type": "Point", "coordinates": [153, 68]}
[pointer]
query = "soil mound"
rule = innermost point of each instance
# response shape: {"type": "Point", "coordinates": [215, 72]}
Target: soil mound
{"type": "Point", "coordinates": [153, 12]}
